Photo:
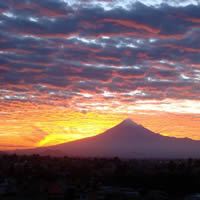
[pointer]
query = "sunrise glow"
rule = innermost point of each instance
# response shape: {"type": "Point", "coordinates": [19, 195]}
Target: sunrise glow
{"type": "Point", "coordinates": [73, 69]}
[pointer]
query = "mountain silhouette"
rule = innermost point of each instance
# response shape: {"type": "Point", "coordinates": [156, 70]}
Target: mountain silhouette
{"type": "Point", "coordinates": [126, 140]}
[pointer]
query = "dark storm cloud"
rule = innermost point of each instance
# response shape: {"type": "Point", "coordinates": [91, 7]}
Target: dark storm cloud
{"type": "Point", "coordinates": [92, 46]}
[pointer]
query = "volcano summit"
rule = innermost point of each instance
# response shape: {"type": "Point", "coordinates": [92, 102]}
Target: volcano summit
{"type": "Point", "coordinates": [125, 140]}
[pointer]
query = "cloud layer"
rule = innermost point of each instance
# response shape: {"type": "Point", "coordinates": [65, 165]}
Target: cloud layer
{"type": "Point", "coordinates": [75, 53]}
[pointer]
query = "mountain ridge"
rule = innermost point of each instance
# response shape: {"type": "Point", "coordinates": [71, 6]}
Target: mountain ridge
{"type": "Point", "coordinates": [125, 140]}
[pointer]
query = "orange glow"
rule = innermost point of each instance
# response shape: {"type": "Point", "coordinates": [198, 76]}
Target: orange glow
{"type": "Point", "coordinates": [25, 125]}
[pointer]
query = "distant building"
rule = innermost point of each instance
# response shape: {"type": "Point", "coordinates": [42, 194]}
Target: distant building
{"type": "Point", "coordinates": [7, 187]}
{"type": "Point", "coordinates": [193, 197]}
{"type": "Point", "coordinates": [156, 195]}
{"type": "Point", "coordinates": [108, 192]}
{"type": "Point", "coordinates": [55, 191]}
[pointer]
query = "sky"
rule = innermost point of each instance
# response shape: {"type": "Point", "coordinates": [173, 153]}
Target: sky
{"type": "Point", "coordinates": [71, 69]}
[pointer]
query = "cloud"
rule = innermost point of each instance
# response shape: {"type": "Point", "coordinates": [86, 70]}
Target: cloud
{"type": "Point", "coordinates": [66, 52]}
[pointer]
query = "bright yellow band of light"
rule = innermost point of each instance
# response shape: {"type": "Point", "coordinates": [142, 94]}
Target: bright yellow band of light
{"type": "Point", "coordinates": [25, 124]}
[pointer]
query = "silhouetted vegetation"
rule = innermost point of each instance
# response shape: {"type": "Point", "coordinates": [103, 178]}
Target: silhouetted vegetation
{"type": "Point", "coordinates": [36, 177]}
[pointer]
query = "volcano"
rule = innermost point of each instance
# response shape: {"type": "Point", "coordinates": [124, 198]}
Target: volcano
{"type": "Point", "coordinates": [126, 140]}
